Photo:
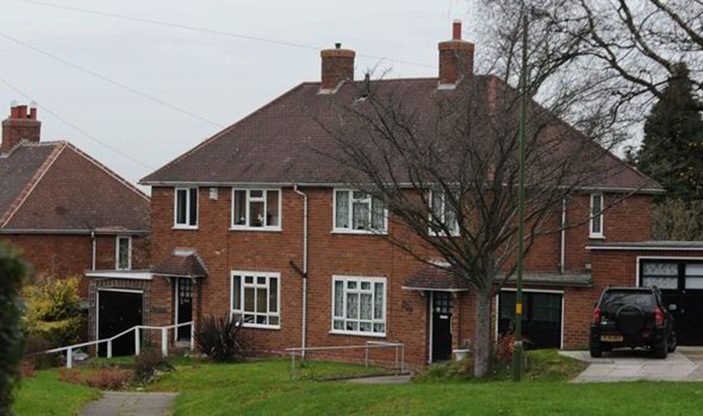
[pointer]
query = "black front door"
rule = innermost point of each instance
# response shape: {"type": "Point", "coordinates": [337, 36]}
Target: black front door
{"type": "Point", "coordinates": [184, 297]}
{"type": "Point", "coordinates": [541, 318]}
{"type": "Point", "coordinates": [117, 312]}
{"type": "Point", "coordinates": [441, 304]}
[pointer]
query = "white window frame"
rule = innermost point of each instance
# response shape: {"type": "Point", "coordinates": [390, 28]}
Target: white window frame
{"type": "Point", "coordinates": [345, 290]}
{"type": "Point", "coordinates": [117, 252]}
{"type": "Point", "coordinates": [254, 284]}
{"type": "Point", "coordinates": [247, 203]}
{"type": "Point", "coordinates": [596, 212]}
{"type": "Point", "coordinates": [186, 225]}
{"type": "Point", "coordinates": [349, 229]}
{"type": "Point", "coordinates": [442, 216]}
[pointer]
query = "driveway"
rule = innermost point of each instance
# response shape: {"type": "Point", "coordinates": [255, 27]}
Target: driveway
{"type": "Point", "coordinates": [686, 364]}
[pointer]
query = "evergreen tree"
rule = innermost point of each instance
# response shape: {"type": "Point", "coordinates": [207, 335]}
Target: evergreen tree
{"type": "Point", "coordinates": [672, 149]}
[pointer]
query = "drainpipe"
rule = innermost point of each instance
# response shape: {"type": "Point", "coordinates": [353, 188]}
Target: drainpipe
{"type": "Point", "coordinates": [562, 251]}
{"type": "Point", "coordinates": [305, 269]}
{"type": "Point", "coordinates": [92, 239]}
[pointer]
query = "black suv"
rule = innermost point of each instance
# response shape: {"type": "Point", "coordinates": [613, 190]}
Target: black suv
{"type": "Point", "coordinates": [632, 317]}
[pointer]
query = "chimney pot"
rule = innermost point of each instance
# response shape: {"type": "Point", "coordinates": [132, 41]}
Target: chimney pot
{"type": "Point", "coordinates": [456, 30]}
{"type": "Point", "coordinates": [33, 110]}
{"type": "Point", "coordinates": [338, 45]}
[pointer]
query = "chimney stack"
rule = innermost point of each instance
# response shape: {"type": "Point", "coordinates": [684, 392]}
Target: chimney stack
{"type": "Point", "coordinates": [456, 58]}
{"type": "Point", "coordinates": [337, 66]}
{"type": "Point", "coordinates": [20, 125]}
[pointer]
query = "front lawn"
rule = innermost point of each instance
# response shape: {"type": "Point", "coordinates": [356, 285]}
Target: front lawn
{"type": "Point", "coordinates": [267, 387]}
{"type": "Point", "coordinates": [45, 394]}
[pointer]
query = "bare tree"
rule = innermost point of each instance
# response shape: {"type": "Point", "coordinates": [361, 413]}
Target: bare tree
{"type": "Point", "coordinates": [445, 161]}
{"type": "Point", "coordinates": [639, 42]}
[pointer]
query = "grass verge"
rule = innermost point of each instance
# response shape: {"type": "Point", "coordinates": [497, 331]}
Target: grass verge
{"type": "Point", "coordinates": [45, 394]}
{"type": "Point", "coordinates": [268, 387]}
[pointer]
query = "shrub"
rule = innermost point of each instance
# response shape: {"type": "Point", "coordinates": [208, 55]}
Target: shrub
{"type": "Point", "coordinates": [148, 363]}
{"type": "Point", "coordinates": [103, 378]}
{"type": "Point", "coordinates": [33, 349]}
{"type": "Point", "coordinates": [12, 270]}
{"type": "Point", "coordinates": [218, 338]}
{"type": "Point", "coordinates": [53, 311]}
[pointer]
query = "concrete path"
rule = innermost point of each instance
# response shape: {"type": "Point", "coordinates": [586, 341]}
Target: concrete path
{"type": "Point", "coordinates": [686, 364]}
{"type": "Point", "coordinates": [399, 379]}
{"type": "Point", "coordinates": [118, 403]}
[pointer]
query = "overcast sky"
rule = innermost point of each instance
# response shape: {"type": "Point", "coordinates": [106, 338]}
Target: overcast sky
{"type": "Point", "coordinates": [198, 82]}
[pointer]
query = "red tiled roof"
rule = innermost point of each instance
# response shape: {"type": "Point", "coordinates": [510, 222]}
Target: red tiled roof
{"type": "Point", "coordinates": [285, 142]}
{"type": "Point", "coordinates": [55, 186]}
{"type": "Point", "coordinates": [181, 263]}
{"type": "Point", "coordinates": [434, 278]}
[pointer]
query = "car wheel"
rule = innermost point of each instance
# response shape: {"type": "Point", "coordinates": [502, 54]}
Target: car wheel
{"type": "Point", "coordinates": [661, 349]}
{"type": "Point", "coordinates": [596, 351]}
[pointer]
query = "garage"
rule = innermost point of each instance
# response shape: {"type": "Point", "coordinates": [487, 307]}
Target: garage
{"type": "Point", "coordinates": [541, 318]}
{"type": "Point", "coordinates": [681, 283]}
{"type": "Point", "coordinates": [117, 311]}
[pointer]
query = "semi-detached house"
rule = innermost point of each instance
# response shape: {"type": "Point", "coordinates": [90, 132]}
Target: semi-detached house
{"type": "Point", "coordinates": [254, 224]}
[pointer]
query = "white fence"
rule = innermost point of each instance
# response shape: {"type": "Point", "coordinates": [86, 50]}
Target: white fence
{"type": "Point", "coordinates": [137, 341]}
{"type": "Point", "coordinates": [399, 351]}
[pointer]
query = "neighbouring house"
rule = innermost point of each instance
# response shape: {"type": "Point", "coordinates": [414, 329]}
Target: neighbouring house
{"type": "Point", "coordinates": [254, 225]}
{"type": "Point", "coordinates": [69, 213]}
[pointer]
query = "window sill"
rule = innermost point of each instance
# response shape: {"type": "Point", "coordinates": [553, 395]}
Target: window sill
{"type": "Point", "coordinates": [184, 228]}
{"type": "Point", "coordinates": [259, 326]}
{"type": "Point", "coordinates": [357, 232]}
{"type": "Point", "coordinates": [596, 237]}
{"type": "Point", "coordinates": [256, 229]}
{"type": "Point", "coordinates": [357, 334]}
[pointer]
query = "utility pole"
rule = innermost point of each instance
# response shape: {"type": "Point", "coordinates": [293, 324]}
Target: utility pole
{"type": "Point", "coordinates": [517, 346]}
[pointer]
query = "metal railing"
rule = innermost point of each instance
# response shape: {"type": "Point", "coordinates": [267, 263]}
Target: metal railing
{"type": "Point", "coordinates": [398, 346]}
{"type": "Point", "coordinates": [137, 341]}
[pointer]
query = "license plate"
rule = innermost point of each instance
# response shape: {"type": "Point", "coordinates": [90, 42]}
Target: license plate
{"type": "Point", "coordinates": [611, 338]}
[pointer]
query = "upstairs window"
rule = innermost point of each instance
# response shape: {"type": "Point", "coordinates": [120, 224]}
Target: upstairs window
{"type": "Point", "coordinates": [123, 253]}
{"type": "Point", "coordinates": [359, 212]}
{"type": "Point", "coordinates": [596, 222]}
{"type": "Point", "coordinates": [186, 208]}
{"type": "Point", "coordinates": [258, 209]}
{"type": "Point", "coordinates": [443, 215]}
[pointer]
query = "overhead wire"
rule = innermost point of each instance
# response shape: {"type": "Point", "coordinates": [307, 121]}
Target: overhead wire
{"type": "Point", "coordinates": [75, 127]}
{"type": "Point", "coordinates": [212, 31]}
{"type": "Point", "coordinates": [108, 80]}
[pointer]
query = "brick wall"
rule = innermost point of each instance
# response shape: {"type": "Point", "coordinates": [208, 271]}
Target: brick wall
{"type": "Point", "coordinates": [331, 254]}
{"type": "Point", "coordinates": [60, 255]}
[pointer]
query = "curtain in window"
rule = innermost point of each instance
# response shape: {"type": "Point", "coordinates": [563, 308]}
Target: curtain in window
{"type": "Point", "coordinates": [342, 209]}
{"type": "Point", "coordinates": [378, 301]}
{"type": "Point", "coordinates": [378, 217]}
{"type": "Point", "coordinates": [272, 208]}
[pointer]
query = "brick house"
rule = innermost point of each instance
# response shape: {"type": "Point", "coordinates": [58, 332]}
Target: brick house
{"type": "Point", "coordinates": [252, 224]}
{"type": "Point", "coordinates": [68, 213]}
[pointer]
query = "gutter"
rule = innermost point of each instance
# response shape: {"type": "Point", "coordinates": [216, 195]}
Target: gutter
{"type": "Point", "coordinates": [72, 231]}
{"type": "Point", "coordinates": [93, 242]}
{"type": "Point", "coordinates": [305, 270]}
{"type": "Point", "coordinates": [562, 247]}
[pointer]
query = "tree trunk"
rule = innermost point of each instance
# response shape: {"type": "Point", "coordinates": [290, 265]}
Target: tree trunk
{"type": "Point", "coordinates": [482, 342]}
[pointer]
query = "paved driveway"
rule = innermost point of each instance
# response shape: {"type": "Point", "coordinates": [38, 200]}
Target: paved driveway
{"type": "Point", "coordinates": [686, 364]}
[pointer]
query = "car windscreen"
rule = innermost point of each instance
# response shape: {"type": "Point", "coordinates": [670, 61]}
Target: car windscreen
{"type": "Point", "coordinates": [614, 299]}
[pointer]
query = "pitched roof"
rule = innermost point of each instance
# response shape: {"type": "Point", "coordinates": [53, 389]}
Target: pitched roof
{"type": "Point", "coordinates": [181, 263]}
{"type": "Point", "coordinates": [55, 186]}
{"type": "Point", "coordinates": [285, 142]}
